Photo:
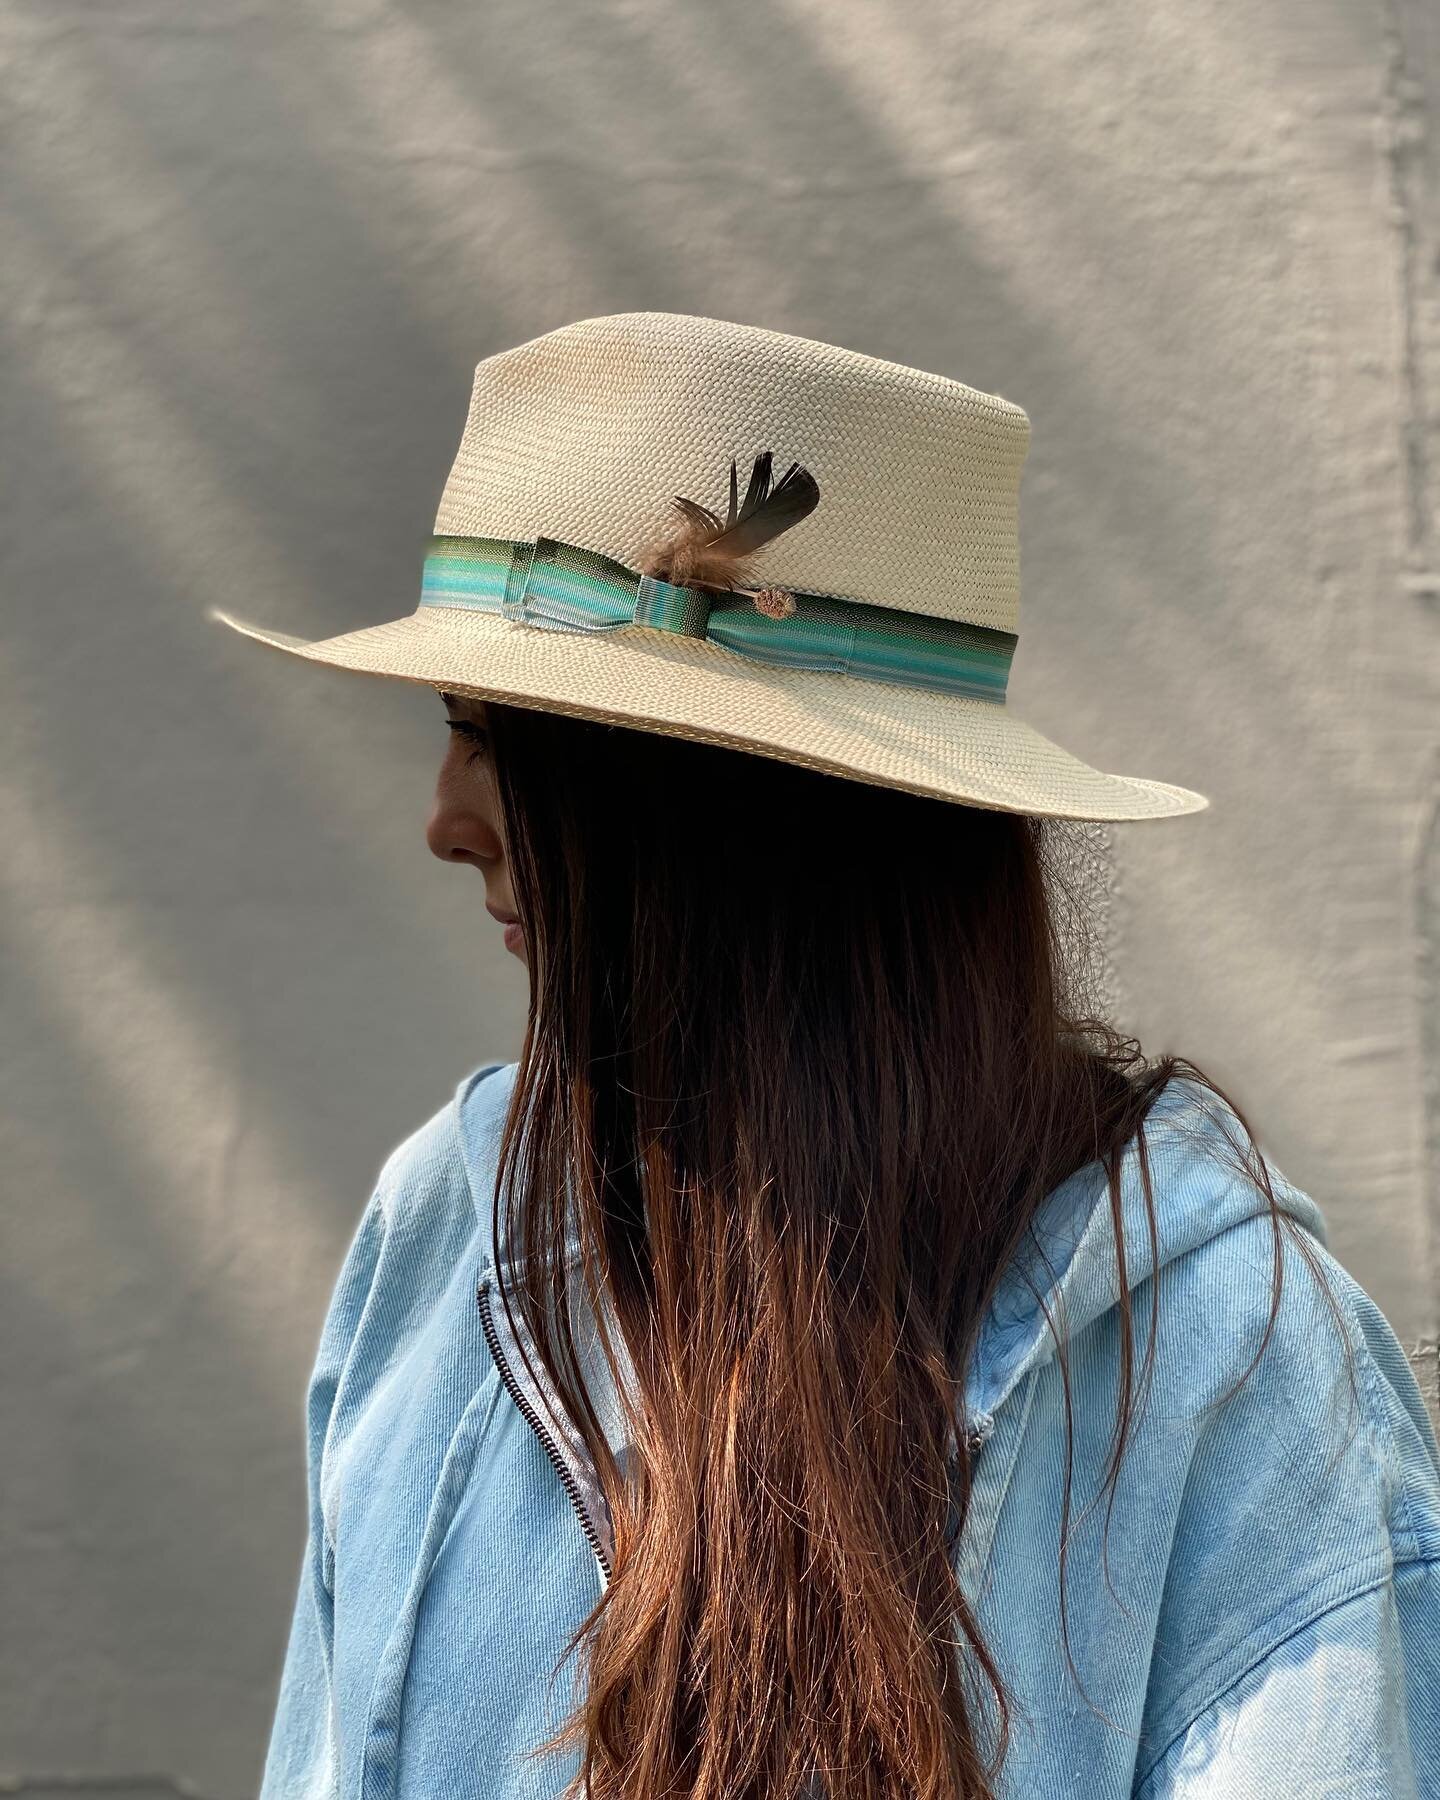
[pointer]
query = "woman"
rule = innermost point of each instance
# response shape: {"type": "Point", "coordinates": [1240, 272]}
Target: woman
{"type": "Point", "coordinates": [827, 1362]}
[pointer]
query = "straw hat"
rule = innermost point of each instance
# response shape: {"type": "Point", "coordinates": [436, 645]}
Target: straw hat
{"type": "Point", "coordinates": [614, 543]}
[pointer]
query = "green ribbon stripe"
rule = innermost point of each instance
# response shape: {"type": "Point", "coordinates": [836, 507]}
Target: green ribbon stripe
{"type": "Point", "coordinates": [560, 587]}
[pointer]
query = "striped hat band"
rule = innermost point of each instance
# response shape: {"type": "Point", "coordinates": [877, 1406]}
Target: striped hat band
{"type": "Point", "coordinates": [559, 586]}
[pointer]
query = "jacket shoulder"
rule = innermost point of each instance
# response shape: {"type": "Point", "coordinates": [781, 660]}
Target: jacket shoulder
{"type": "Point", "coordinates": [1341, 1705]}
{"type": "Point", "coordinates": [1283, 1341]}
{"type": "Point", "coordinates": [411, 1243]}
{"type": "Point", "coordinates": [435, 1163]}
{"type": "Point", "coordinates": [419, 1217]}
{"type": "Point", "coordinates": [1311, 1474]}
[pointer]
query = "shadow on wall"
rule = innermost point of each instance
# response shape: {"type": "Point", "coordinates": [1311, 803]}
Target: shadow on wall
{"type": "Point", "coordinates": [256, 286]}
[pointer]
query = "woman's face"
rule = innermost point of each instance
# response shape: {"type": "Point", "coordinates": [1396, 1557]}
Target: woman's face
{"type": "Point", "coordinates": [465, 823]}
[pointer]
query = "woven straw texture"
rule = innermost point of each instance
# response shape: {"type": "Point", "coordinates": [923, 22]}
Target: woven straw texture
{"type": "Point", "coordinates": [583, 435]}
{"type": "Point", "coordinates": [586, 433]}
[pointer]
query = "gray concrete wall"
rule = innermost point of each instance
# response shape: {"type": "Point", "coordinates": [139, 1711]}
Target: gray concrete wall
{"type": "Point", "coordinates": [252, 252]}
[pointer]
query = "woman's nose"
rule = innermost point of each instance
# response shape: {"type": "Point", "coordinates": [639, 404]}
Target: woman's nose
{"type": "Point", "coordinates": [459, 834]}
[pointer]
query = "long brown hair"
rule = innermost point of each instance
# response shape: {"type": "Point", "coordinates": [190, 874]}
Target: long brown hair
{"type": "Point", "coordinates": [804, 1056]}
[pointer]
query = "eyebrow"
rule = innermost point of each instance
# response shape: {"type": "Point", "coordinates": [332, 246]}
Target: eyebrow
{"type": "Point", "coordinates": [457, 703]}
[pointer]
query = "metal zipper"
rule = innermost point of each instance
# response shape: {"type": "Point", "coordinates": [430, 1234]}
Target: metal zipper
{"type": "Point", "coordinates": [975, 1438]}
{"type": "Point", "coordinates": [537, 1425]}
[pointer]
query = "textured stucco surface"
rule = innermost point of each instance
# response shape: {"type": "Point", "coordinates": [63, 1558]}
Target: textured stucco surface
{"type": "Point", "coordinates": [252, 252]}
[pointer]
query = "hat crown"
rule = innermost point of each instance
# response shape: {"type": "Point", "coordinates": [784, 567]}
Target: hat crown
{"type": "Point", "coordinates": [587, 433]}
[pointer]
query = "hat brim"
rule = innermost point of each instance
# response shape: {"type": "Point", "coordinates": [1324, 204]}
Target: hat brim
{"type": "Point", "coordinates": [947, 746]}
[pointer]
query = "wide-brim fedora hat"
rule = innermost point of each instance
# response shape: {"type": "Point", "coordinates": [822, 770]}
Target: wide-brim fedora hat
{"type": "Point", "coordinates": [745, 538]}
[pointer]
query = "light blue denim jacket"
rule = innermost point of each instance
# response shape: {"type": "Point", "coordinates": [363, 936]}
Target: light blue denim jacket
{"type": "Point", "coordinates": [1270, 1625]}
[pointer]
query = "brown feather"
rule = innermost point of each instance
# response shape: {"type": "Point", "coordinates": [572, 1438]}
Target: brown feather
{"type": "Point", "coordinates": [702, 550]}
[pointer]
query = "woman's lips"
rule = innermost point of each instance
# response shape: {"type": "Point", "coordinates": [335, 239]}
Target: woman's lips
{"type": "Point", "coordinates": [514, 933]}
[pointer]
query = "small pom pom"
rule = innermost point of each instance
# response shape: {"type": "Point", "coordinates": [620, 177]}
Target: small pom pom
{"type": "Point", "coordinates": [776, 603]}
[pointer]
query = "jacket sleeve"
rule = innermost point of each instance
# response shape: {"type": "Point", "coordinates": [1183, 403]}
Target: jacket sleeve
{"type": "Point", "coordinates": [302, 1760]}
{"type": "Point", "coordinates": [1348, 1708]}
{"type": "Point", "coordinates": [1346, 1704]}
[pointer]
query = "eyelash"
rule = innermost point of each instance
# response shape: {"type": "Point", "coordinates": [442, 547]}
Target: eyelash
{"type": "Point", "coordinates": [473, 734]}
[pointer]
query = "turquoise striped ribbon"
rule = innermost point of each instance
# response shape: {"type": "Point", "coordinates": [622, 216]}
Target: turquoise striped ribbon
{"type": "Point", "coordinates": [560, 587]}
